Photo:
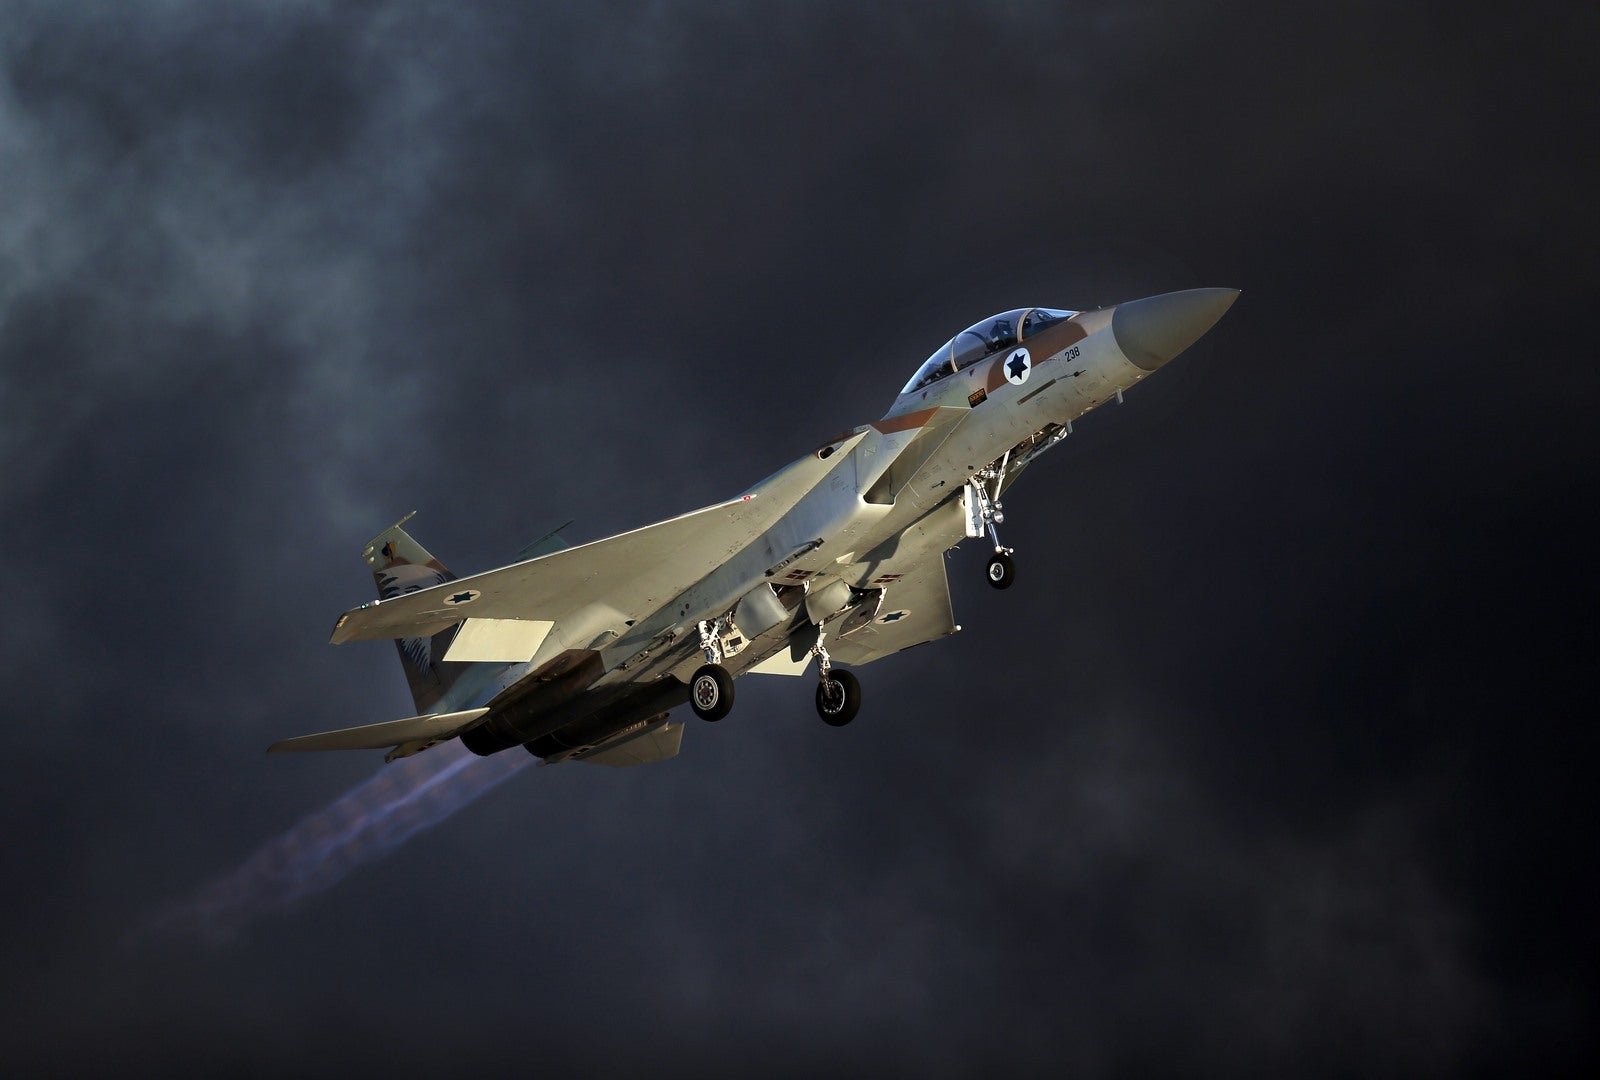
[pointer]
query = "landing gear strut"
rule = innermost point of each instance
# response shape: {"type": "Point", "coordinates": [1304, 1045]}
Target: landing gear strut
{"type": "Point", "coordinates": [986, 512]}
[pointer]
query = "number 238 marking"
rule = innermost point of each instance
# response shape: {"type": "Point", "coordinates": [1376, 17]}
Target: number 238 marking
{"type": "Point", "coordinates": [1070, 354]}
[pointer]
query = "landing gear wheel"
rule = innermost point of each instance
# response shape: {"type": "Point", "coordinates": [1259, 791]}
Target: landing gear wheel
{"type": "Point", "coordinates": [1002, 571]}
{"type": "Point", "coordinates": [838, 699]}
{"type": "Point", "coordinates": [711, 692]}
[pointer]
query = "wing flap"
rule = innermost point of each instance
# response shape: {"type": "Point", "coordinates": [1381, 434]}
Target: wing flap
{"type": "Point", "coordinates": [498, 641]}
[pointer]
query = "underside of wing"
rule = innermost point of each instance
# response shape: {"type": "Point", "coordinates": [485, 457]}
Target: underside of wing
{"type": "Point", "coordinates": [916, 609]}
{"type": "Point", "coordinates": [916, 595]}
{"type": "Point", "coordinates": [630, 572]}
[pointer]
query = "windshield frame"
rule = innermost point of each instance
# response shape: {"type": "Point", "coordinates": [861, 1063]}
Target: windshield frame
{"type": "Point", "coordinates": [985, 338]}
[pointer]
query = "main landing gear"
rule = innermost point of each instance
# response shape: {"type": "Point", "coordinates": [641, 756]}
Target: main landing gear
{"type": "Point", "coordinates": [984, 511]}
{"type": "Point", "coordinates": [711, 688]}
{"type": "Point", "coordinates": [711, 692]}
{"type": "Point", "coordinates": [838, 692]}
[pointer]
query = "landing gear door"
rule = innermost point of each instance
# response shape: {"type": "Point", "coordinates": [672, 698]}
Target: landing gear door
{"type": "Point", "coordinates": [972, 510]}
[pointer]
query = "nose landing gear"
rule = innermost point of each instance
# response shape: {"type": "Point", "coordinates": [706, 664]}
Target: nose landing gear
{"type": "Point", "coordinates": [1001, 571]}
{"type": "Point", "coordinates": [984, 513]}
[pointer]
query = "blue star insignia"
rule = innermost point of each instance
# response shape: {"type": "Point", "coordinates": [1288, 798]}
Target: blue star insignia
{"type": "Point", "coordinates": [462, 597]}
{"type": "Point", "coordinates": [1017, 365]}
{"type": "Point", "coordinates": [895, 616]}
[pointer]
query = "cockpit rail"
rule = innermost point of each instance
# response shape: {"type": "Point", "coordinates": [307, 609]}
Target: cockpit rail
{"type": "Point", "coordinates": [981, 340]}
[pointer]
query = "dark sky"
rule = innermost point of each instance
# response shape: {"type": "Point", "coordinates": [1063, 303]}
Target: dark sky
{"type": "Point", "coordinates": [1276, 760]}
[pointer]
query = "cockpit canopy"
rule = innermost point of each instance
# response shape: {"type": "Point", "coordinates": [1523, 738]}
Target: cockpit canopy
{"type": "Point", "coordinates": [983, 339]}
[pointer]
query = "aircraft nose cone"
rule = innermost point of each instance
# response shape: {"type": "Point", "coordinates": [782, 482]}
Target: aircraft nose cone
{"type": "Point", "coordinates": [1154, 330]}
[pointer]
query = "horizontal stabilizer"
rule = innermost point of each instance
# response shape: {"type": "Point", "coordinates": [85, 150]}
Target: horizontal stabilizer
{"type": "Point", "coordinates": [551, 541]}
{"type": "Point", "coordinates": [433, 728]}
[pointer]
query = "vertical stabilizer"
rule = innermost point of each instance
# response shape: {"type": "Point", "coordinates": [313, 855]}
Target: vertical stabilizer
{"type": "Point", "coordinates": [400, 565]}
{"type": "Point", "coordinates": [547, 544]}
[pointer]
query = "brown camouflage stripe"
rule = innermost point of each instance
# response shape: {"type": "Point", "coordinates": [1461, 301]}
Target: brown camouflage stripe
{"type": "Point", "coordinates": [904, 422]}
{"type": "Point", "coordinates": [1043, 345]}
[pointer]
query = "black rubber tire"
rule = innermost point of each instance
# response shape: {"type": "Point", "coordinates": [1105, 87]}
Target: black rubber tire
{"type": "Point", "coordinates": [711, 692]}
{"type": "Point", "coordinates": [1001, 571]}
{"type": "Point", "coordinates": [839, 699]}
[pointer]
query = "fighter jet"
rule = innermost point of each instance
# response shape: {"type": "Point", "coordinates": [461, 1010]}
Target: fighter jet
{"type": "Point", "coordinates": [581, 653]}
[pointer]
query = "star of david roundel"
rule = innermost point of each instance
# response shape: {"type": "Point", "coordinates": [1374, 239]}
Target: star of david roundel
{"type": "Point", "coordinates": [465, 596]}
{"type": "Point", "coordinates": [1017, 366]}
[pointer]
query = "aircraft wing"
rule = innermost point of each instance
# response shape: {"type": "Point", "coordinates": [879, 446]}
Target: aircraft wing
{"type": "Point", "coordinates": [916, 609]}
{"type": "Point", "coordinates": [632, 572]}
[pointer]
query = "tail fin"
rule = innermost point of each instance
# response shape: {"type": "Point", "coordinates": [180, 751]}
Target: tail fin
{"type": "Point", "coordinates": [400, 565]}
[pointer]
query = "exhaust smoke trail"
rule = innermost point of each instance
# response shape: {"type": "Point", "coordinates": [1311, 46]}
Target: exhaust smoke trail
{"type": "Point", "coordinates": [361, 826]}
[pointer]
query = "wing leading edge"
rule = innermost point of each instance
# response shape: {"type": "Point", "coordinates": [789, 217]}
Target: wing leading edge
{"type": "Point", "coordinates": [630, 572]}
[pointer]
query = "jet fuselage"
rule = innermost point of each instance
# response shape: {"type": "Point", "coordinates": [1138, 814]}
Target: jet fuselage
{"type": "Point", "coordinates": [918, 481]}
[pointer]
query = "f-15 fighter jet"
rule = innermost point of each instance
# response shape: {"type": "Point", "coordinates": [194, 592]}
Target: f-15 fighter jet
{"type": "Point", "coordinates": [580, 653]}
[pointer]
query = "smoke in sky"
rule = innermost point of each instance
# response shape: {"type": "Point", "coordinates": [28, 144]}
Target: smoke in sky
{"type": "Point", "coordinates": [359, 827]}
{"type": "Point", "coordinates": [1275, 755]}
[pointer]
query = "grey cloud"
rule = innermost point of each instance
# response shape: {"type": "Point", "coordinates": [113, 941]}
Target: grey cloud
{"type": "Point", "coordinates": [1274, 759]}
